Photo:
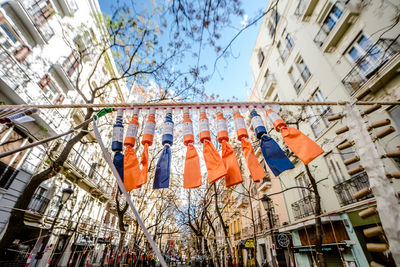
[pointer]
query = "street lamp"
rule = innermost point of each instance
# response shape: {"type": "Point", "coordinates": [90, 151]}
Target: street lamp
{"type": "Point", "coordinates": [268, 206]}
{"type": "Point", "coordinates": [66, 194]}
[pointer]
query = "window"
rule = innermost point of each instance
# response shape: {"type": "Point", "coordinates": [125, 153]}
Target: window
{"type": "Point", "coordinates": [289, 41]}
{"type": "Point", "coordinates": [329, 23]}
{"type": "Point", "coordinates": [346, 154]}
{"type": "Point", "coordinates": [50, 92]}
{"type": "Point", "coordinates": [285, 48]}
{"type": "Point", "coordinates": [271, 27]}
{"type": "Point", "coordinates": [299, 74]}
{"type": "Point", "coordinates": [323, 110]}
{"type": "Point", "coordinates": [71, 63]}
{"type": "Point", "coordinates": [272, 24]}
{"type": "Point", "coordinates": [332, 18]}
{"type": "Point", "coordinates": [302, 181]}
{"type": "Point", "coordinates": [260, 58]}
{"type": "Point", "coordinates": [364, 54]}
{"type": "Point", "coordinates": [316, 125]}
{"type": "Point", "coordinates": [282, 51]}
{"type": "Point", "coordinates": [303, 69]}
{"type": "Point", "coordinates": [318, 115]}
{"type": "Point", "coordinates": [395, 114]}
{"type": "Point", "coordinates": [334, 169]}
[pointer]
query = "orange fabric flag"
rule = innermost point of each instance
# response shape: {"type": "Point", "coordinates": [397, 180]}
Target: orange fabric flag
{"type": "Point", "coordinates": [256, 170]}
{"type": "Point", "coordinates": [144, 164]}
{"type": "Point", "coordinates": [234, 175]}
{"type": "Point", "coordinates": [131, 162]}
{"type": "Point", "coordinates": [192, 173]}
{"type": "Point", "coordinates": [215, 165]}
{"type": "Point", "coordinates": [131, 169]}
{"type": "Point", "coordinates": [147, 140]}
{"type": "Point", "coordinates": [301, 145]}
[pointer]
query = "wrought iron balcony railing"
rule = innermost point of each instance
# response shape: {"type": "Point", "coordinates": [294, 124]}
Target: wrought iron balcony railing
{"type": "Point", "coordinates": [376, 57]}
{"type": "Point", "coordinates": [38, 203]}
{"type": "Point", "coordinates": [348, 188]}
{"type": "Point", "coordinates": [303, 207]}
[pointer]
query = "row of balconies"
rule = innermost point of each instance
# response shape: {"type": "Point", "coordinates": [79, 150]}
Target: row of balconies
{"type": "Point", "coordinates": [345, 192]}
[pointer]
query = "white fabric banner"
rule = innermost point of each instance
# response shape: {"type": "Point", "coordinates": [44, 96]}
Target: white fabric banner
{"type": "Point", "coordinates": [386, 200]}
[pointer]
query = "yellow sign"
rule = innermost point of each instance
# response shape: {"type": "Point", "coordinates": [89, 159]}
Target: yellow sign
{"type": "Point", "coordinates": [249, 243]}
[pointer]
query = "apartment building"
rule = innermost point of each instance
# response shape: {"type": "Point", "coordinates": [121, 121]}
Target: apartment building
{"type": "Point", "coordinates": [322, 50]}
{"type": "Point", "coordinates": [40, 64]}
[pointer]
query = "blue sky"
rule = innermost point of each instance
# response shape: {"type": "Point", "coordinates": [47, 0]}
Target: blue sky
{"type": "Point", "coordinates": [233, 77]}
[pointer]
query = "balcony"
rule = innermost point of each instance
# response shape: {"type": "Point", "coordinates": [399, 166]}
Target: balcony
{"type": "Point", "coordinates": [305, 9]}
{"type": "Point", "coordinates": [332, 30]}
{"type": "Point", "coordinates": [268, 86]}
{"type": "Point", "coordinates": [38, 204]}
{"type": "Point", "coordinates": [348, 188]}
{"type": "Point", "coordinates": [264, 185]}
{"type": "Point", "coordinates": [68, 7]}
{"type": "Point", "coordinates": [384, 58]}
{"type": "Point", "coordinates": [16, 83]}
{"type": "Point", "coordinates": [303, 207]}
{"type": "Point", "coordinates": [242, 201]}
{"type": "Point", "coordinates": [34, 14]}
{"type": "Point", "coordinates": [85, 175]}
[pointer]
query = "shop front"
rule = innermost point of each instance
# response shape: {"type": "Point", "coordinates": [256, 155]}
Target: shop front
{"type": "Point", "coordinates": [336, 245]}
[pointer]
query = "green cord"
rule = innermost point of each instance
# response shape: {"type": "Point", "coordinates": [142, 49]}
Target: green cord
{"type": "Point", "coordinates": [103, 112]}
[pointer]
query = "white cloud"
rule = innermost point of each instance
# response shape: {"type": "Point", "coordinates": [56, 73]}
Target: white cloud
{"type": "Point", "coordinates": [245, 20]}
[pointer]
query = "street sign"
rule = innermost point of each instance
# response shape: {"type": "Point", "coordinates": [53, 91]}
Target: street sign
{"type": "Point", "coordinates": [249, 243]}
{"type": "Point", "coordinates": [283, 240]}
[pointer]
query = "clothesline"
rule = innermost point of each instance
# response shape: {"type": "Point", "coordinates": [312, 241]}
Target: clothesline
{"type": "Point", "coordinates": [206, 105]}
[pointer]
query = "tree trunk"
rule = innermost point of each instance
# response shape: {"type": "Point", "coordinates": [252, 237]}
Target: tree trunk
{"type": "Point", "coordinates": [318, 225]}
{"type": "Point", "coordinates": [254, 227]}
{"type": "Point", "coordinates": [16, 221]}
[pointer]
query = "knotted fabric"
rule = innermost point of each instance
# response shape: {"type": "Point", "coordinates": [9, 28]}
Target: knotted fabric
{"type": "Point", "coordinates": [131, 161]}
{"type": "Point", "coordinates": [256, 170]}
{"type": "Point", "coordinates": [131, 169]}
{"type": "Point", "coordinates": [163, 168]}
{"type": "Point", "coordinates": [215, 165]}
{"type": "Point", "coordinates": [301, 145]}
{"type": "Point", "coordinates": [192, 173]}
{"type": "Point", "coordinates": [234, 175]}
{"type": "Point", "coordinates": [276, 159]}
{"type": "Point", "coordinates": [119, 164]}
{"type": "Point", "coordinates": [161, 178]}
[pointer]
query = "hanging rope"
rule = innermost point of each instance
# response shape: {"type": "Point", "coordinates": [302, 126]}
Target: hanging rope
{"type": "Point", "coordinates": [198, 105]}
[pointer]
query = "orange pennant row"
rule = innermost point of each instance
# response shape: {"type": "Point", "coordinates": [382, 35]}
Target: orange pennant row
{"type": "Point", "coordinates": [227, 165]}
